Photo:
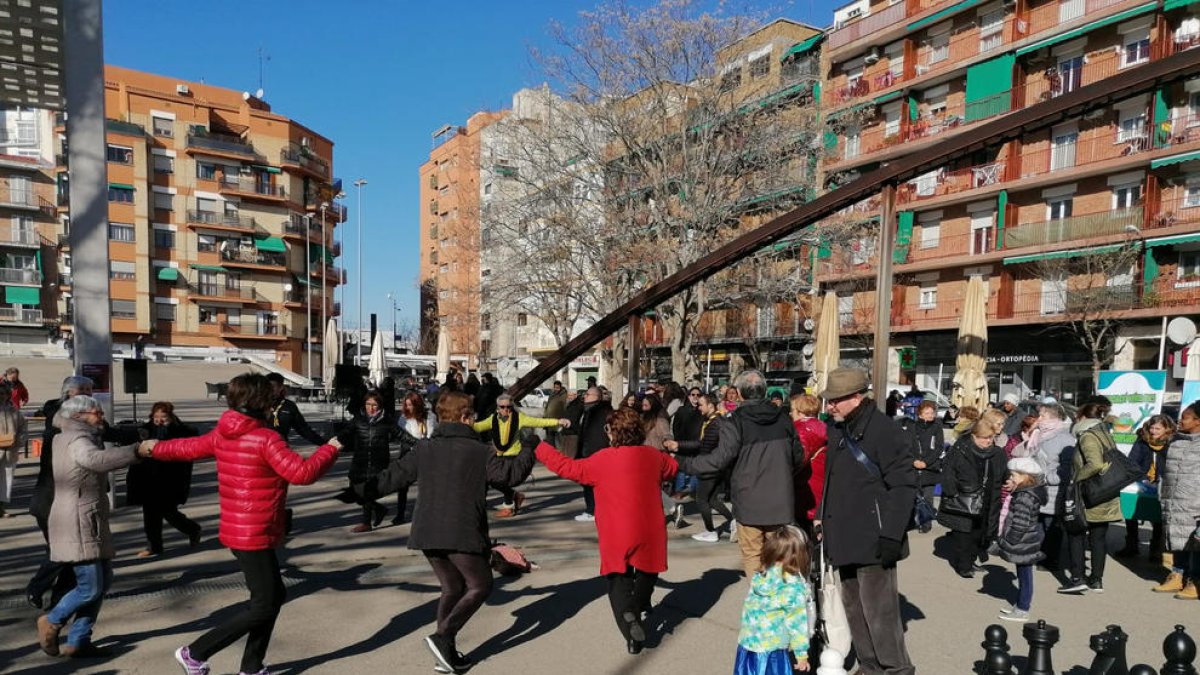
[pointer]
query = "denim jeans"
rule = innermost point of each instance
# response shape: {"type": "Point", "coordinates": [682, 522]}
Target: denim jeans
{"type": "Point", "coordinates": [1024, 587]}
{"type": "Point", "coordinates": [92, 580]}
{"type": "Point", "coordinates": [685, 482]}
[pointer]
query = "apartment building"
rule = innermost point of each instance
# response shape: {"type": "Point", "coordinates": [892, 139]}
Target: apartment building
{"type": "Point", "coordinates": [449, 238]}
{"type": "Point", "coordinates": [1037, 215]}
{"type": "Point", "coordinates": [222, 216]}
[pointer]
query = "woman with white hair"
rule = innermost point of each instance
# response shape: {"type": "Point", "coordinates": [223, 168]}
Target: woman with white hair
{"type": "Point", "coordinates": [79, 531]}
{"type": "Point", "coordinates": [12, 439]}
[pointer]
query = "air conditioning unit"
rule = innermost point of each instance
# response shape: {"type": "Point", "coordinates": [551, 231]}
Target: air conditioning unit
{"type": "Point", "coordinates": [872, 56]}
{"type": "Point", "coordinates": [182, 90]}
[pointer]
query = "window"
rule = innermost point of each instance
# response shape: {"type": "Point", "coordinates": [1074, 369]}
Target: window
{"type": "Point", "coordinates": [1127, 196]}
{"type": "Point", "coordinates": [120, 232]}
{"type": "Point", "coordinates": [939, 47]}
{"type": "Point", "coordinates": [443, 294]}
{"type": "Point", "coordinates": [233, 317]}
{"type": "Point", "coordinates": [161, 126]}
{"type": "Point", "coordinates": [206, 171]}
{"type": "Point", "coordinates": [1191, 196]}
{"type": "Point", "coordinates": [1054, 294]}
{"type": "Point", "coordinates": [1189, 267]}
{"type": "Point", "coordinates": [164, 311]}
{"type": "Point", "coordinates": [164, 239]}
{"type": "Point", "coordinates": [522, 319]}
{"type": "Point", "coordinates": [931, 229]}
{"type": "Point", "coordinates": [208, 315]}
{"type": "Point", "coordinates": [233, 282]}
{"type": "Point", "coordinates": [846, 310]}
{"type": "Point", "coordinates": [206, 283]}
{"type": "Point", "coordinates": [991, 30]}
{"type": "Point", "coordinates": [118, 154]}
{"type": "Point", "coordinates": [935, 101]}
{"type": "Point", "coordinates": [853, 143]}
{"type": "Point", "coordinates": [928, 297]}
{"type": "Point", "coordinates": [894, 53]}
{"type": "Point", "coordinates": [123, 195]}
{"type": "Point", "coordinates": [1132, 125]}
{"type": "Point", "coordinates": [760, 67]}
{"type": "Point", "coordinates": [164, 164]}
{"type": "Point", "coordinates": [23, 230]}
{"type": "Point", "coordinates": [444, 269]}
{"type": "Point", "coordinates": [732, 78]}
{"type": "Point", "coordinates": [123, 309]}
{"type": "Point", "coordinates": [891, 120]}
{"type": "Point", "coordinates": [1136, 48]}
{"type": "Point", "coordinates": [206, 243]}
{"type": "Point", "coordinates": [1062, 149]}
{"type": "Point", "coordinates": [487, 188]}
{"type": "Point", "coordinates": [1058, 209]}
{"type": "Point", "coordinates": [1070, 9]}
{"type": "Point", "coordinates": [981, 232]}
{"type": "Point", "coordinates": [766, 321]}
{"type": "Point", "coordinates": [925, 185]}
{"type": "Point", "coordinates": [120, 270]}
{"type": "Point", "coordinates": [164, 201]}
{"type": "Point", "coordinates": [862, 250]}
{"type": "Point", "coordinates": [1070, 75]}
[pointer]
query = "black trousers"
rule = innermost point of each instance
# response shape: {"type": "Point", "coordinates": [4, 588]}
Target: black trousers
{"type": "Point", "coordinates": [1054, 543]}
{"type": "Point", "coordinates": [506, 490]}
{"type": "Point", "coordinates": [368, 511]}
{"type": "Point", "coordinates": [965, 548]}
{"type": "Point", "coordinates": [1095, 540]}
{"type": "Point", "coordinates": [153, 516]}
{"type": "Point", "coordinates": [589, 500]}
{"type": "Point", "coordinates": [51, 576]}
{"type": "Point", "coordinates": [402, 503]}
{"type": "Point", "coordinates": [707, 501]}
{"type": "Point", "coordinates": [629, 593]}
{"type": "Point", "coordinates": [257, 620]}
{"type": "Point", "coordinates": [871, 596]}
{"type": "Point", "coordinates": [466, 580]}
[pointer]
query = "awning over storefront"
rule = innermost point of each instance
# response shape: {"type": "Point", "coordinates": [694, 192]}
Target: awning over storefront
{"type": "Point", "coordinates": [1054, 255]}
{"type": "Point", "coordinates": [268, 169]}
{"type": "Point", "coordinates": [1083, 30]}
{"type": "Point", "coordinates": [1175, 159]}
{"type": "Point", "coordinates": [21, 295]}
{"type": "Point", "coordinates": [208, 268]}
{"type": "Point", "coordinates": [168, 274]}
{"type": "Point", "coordinates": [1172, 240]}
{"type": "Point", "coordinates": [938, 16]}
{"type": "Point", "coordinates": [271, 245]}
{"type": "Point", "coordinates": [803, 47]}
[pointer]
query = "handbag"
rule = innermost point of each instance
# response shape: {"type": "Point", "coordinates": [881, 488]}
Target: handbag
{"type": "Point", "coordinates": [7, 441]}
{"type": "Point", "coordinates": [1074, 514]}
{"type": "Point", "coordinates": [834, 625]}
{"type": "Point", "coordinates": [1119, 472]}
{"type": "Point", "coordinates": [969, 504]}
{"type": "Point", "coordinates": [923, 512]}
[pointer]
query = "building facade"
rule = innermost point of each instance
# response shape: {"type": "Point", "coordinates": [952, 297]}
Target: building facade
{"type": "Point", "coordinates": [222, 219]}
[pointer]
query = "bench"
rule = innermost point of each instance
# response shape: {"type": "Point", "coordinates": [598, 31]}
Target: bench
{"type": "Point", "coordinates": [218, 388]}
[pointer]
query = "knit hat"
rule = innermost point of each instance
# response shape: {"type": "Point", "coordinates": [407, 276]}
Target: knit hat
{"type": "Point", "coordinates": [1011, 398]}
{"type": "Point", "coordinates": [1025, 465]}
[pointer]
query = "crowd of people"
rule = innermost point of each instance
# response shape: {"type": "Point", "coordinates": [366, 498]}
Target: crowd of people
{"type": "Point", "coordinates": [820, 480]}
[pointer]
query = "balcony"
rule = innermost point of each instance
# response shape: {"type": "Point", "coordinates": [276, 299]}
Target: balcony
{"type": "Point", "coordinates": [300, 225]}
{"type": "Point", "coordinates": [253, 256]}
{"type": "Point", "coordinates": [942, 182]}
{"type": "Point", "coordinates": [220, 144]}
{"type": "Point", "coordinates": [13, 197]}
{"type": "Point", "coordinates": [335, 213]}
{"type": "Point", "coordinates": [251, 187]}
{"type": "Point", "coordinates": [221, 292]}
{"type": "Point", "coordinates": [980, 241]}
{"type": "Point", "coordinates": [19, 237]}
{"type": "Point", "coordinates": [124, 128]}
{"type": "Point", "coordinates": [18, 314]}
{"type": "Point", "coordinates": [889, 17]}
{"type": "Point", "coordinates": [298, 156]}
{"type": "Point", "coordinates": [222, 220]}
{"type": "Point", "coordinates": [1075, 228]}
{"type": "Point", "coordinates": [254, 330]}
{"type": "Point", "coordinates": [65, 279]}
{"type": "Point", "coordinates": [24, 277]}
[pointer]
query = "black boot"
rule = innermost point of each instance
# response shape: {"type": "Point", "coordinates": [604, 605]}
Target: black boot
{"type": "Point", "coordinates": [1131, 541]}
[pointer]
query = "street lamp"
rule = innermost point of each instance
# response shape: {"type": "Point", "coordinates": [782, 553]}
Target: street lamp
{"type": "Point", "coordinates": [359, 185]}
{"type": "Point", "coordinates": [392, 297]}
{"type": "Point", "coordinates": [308, 296]}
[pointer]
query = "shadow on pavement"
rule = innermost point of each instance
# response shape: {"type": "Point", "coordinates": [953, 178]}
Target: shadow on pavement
{"type": "Point", "coordinates": [401, 625]}
{"type": "Point", "coordinates": [689, 599]}
{"type": "Point", "coordinates": [539, 618]}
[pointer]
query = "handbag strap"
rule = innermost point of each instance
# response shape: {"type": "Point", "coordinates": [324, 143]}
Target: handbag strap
{"type": "Point", "coordinates": [871, 467]}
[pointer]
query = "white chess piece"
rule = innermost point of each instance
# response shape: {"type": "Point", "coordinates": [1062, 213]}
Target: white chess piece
{"type": "Point", "coordinates": [831, 663]}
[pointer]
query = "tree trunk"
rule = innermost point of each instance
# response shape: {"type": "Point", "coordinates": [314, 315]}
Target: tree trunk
{"type": "Point", "coordinates": [615, 361]}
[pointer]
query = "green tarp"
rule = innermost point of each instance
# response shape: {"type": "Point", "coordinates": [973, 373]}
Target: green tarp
{"type": "Point", "coordinates": [168, 274]}
{"type": "Point", "coordinates": [914, 108]}
{"type": "Point", "coordinates": [121, 186]}
{"type": "Point", "coordinates": [1054, 255]}
{"type": "Point", "coordinates": [268, 169]}
{"type": "Point", "coordinates": [1175, 159]}
{"type": "Point", "coordinates": [271, 245]}
{"type": "Point", "coordinates": [988, 88]}
{"type": "Point", "coordinates": [803, 47]}
{"type": "Point", "coordinates": [1149, 269]}
{"type": "Point", "coordinates": [208, 268]}
{"type": "Point", "coordinates": [1001, 207]}
{"type": "Point", "coordinates": [1162, 118]}
{"type": "Point", "coordinates": [1172, 240]}
{"type": "Point", "coordinates": [904, 233]}
{"type": "Point", "coordinates": [18, 295]}
{"type": "Point", "coordinates": [938, 16]}
{"type": "Point", "coordinates": [1083, 30]}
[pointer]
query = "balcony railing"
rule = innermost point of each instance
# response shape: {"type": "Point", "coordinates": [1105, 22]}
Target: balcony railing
{"type": "Point", "coordinates": [254, 329]}
{"type": "Point", "coordinates": [223, 292]}
{"type": "Point", "coordinates": [127, 128]}
{"type": "Point", "coordinates": [18, 197]}
{"type": "Point", "coordinates": [1074, 228]}
{"type": "Point", "coordinates": [16, 276]}
{"type": "Point", "coordinates": [253, 256]}
{"type": "Point", "coordinates": [922, 249]}
{"type": "Point", "coordinates": [251, 186]}
{"type": "Point", "coordinates": [19, 314]}
{"type": "Point", "coordinates": [942, 182]}
{"type": "Point", "coordinates": [297, 155]}
{"type": "Point", "coordinates": [220, 143]}
{"type": "Point", "coordinates": [19, 237]}
{"type": "Point", "coordinates": [223, 219]}
{"type": "Point", "coordinates": [872, 23]}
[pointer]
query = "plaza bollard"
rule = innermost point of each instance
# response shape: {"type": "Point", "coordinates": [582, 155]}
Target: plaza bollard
{"type": "Point", "coordinates": [1041, 637]}
{"type": "Point", "coordinates": [1110, 652]}
{"type": "Point", "coordinates": [996, 660]}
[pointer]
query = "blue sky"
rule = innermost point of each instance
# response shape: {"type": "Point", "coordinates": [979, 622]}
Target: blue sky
{"type": "Point", "coordinates": [376, 77]}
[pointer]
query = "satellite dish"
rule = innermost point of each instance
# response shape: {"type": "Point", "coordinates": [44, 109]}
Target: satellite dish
{"type": "Point", "coordinates": [809, 324]}
{"type": "Point", "coordinates": [807, 350]}
{"type": "Point", "coordinates": [259, 93]}
{"type": "Point", "coordinates": [1181, 330]}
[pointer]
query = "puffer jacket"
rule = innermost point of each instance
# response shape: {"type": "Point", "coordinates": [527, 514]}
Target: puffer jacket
{"type": "Point", "coordinates": [369, 442]}
{"type": "Point", "coordinates": [1054, 454]}
{"type": "Point", "coordinates": [254, 467]}
{"type": "Point", "coordinates": [1089, 461]}
{"type": "Point", "coordinates": [1179, 490]}
{"type": "Point", "coordinates": [79, 516]}
{"type": "Point", "coordinates": [1021, 541]}
{"type": "Point", "coordinates": [710, 437]}
{"type": "Point", "coordinates": [929, 446]}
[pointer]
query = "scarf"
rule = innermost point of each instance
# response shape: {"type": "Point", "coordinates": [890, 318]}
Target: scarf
{"type": "Point", "coordinates": [1044, 429]}
{"type": "Point", "coordinates": [514, 431]}
{"type": "Point", "coordinates": [1152, 474]}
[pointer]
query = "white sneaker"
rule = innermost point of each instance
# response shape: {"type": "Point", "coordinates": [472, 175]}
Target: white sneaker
{"type": "Point", "coordinates": [709, 536]}
{"type": "Point", "coordinates": [584, 517]}
{"type": "Point", "coordinates": [733, 530]}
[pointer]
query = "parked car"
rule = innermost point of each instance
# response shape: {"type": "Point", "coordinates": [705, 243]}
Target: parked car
{"type": "Point", "coordinates": [536, 399]}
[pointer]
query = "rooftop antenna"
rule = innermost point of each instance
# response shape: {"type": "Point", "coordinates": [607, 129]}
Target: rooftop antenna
{"type": "Point", "coordinates": [263, 57]}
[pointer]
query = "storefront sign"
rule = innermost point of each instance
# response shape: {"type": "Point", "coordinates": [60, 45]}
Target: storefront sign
{"type": "Point", "coordinates": [1014, 358]}
{"type": "Point", "coordinates": [1136, 395]}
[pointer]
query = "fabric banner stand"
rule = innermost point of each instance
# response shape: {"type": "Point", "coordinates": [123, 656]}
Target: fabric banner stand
{"type": "Point", "coordinates": [1136, 395]}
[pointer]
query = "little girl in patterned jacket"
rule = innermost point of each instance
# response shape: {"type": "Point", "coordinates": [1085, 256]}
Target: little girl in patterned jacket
{"type": "Point", "coordinates": [775, 618]}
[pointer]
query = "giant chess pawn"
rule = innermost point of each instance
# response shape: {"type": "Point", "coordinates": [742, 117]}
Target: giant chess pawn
{"type": "Point", "coordinates": [1142, 669]}
{"type": "Point", "coordinates": [1041, 637]}
{"type": "Point", "coordinates": [1110, 652]}
{"type": "Point", "coordinates": [996, 660]}
{"type": "Point", "coordinates": [832, 663]}
{"type": "Point", "coordinates": [1180, 650]}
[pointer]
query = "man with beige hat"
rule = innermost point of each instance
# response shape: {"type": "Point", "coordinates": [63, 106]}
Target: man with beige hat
{"type": "Point", "coordinates": [870, 486]}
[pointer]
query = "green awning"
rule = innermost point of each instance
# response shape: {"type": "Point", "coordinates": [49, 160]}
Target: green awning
{"type": "Point", "coordinates": [18, 295]}
{"type": "Point", "coordinates": [121, 186]}
{"type": "Point", "coordinates": [1055, 255]}
{"type": "Point", "coordinates": [787, 244]}
{"type": "Point", "coordinates": [1176, 4]}
{"type": "Point", "coordinates": [271, 245]}
{"type": "Point", "coordinates": [802, 47]}
{"type": "Point", "coordinates": [771, 99]}
{"type": "Point", "coordinates": [1172, 240]}
{"type": "Point", "coordinates": [305, 281]}
{"type": "Point", "coordinates": [914, 108]}
{"type": "Point", "coordinates": [1175, 159]}
{"type": "Point", "coordinates": [168, 274]}
{"type": "Point", "coordinates": [1162, 117]}
{"type": "Point", "coordinates": [1083, 30]}
{"type": "Point", "coordinates": [988, 87]}
{"type": "Point", "coordinates": [1001, 213]}
{"type": "Point", "coordinates": [845, 111]}
{"type": "Point", "coordinates": [1149, 269]}
{"type": "Point", "coordinates": [209, 268]}
{"type": "Point", "coordinates": [268, 169]}
{"type": "Point", "coordinates": [904, 234]}
{"type": "Point", "coordinates": [317, 252]}
{"type": "Point", "coordinates": [938, 16]}
{"type": "Point", "coordinates": [887, 97]}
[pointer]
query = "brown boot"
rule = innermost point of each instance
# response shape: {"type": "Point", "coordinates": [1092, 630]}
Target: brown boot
{"type": "Point", "coordinates": [1173, 584]}
{"type": "Point", "coordinates": [1188, 592]}
{"type": "Point", "coordinates": [48, 635]}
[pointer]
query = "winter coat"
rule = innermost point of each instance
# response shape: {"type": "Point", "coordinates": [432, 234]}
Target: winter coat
{"type": "Point", "coordinates": [592, 436]}
{"type": "Point", "coordinates": [1145, 457]}
{"type": "Point", "coordinates": [686, 422]}
{"type": "Point", "coordinates": [418, 428]}
{"type": "Point", "coordinates": [454, 468]}
{"type": "Point", "coordinates": [658, 433]}
{"type": "Point", "coordinates": [810, 480]}
{"type": "Point", "coordinates": [79, 528]}
{"type": "Point", "coordinates": [963, 471]}
{"type": "Point", "coordinates": [574, 412]}
{"type": "Point", "coordinates": [12, 422]}
{"type": "Point", "coordinates": [158, 483]}
{"type": "Point", "coordinates": [1055, 454]}
{"type": "Point", "coordinates": [858, 508]}
{"type": "Point", "coordinates": [760, 444]}
{"type": "Point", "coordinates": [254, 467]}
{"type": "Point", "coordinates": [369, 442]}
{"type": "Point", "coordinates": [775, 614]}
{"type": "Point", "coordinates": [1021, 541]}
{"type": "Point", "coordinates": [20, 395]}
{"type": "Point", "coordinates": [710, 438]}
{"type": "Point", "coordinates": [1179, 490]}
{"type": "Point", "coordinates": [1089, 461]}
{"type": "Point", "coordinates": [627, 482]}
{"type": "Point", "coordinates": [286, 416]}
{"type": "Point", "coordinates": [929, 446]}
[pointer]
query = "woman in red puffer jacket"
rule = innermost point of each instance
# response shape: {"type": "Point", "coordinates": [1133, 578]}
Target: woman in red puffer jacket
{"type": "Point", "coordinates": [810, 482]}
{"type": "Point", "coordinates": [254, 467]}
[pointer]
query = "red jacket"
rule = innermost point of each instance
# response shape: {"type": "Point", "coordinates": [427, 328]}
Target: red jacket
{"type": "Point", "coordinates": [20, 395]}
{"type": "Point", "coordinates": [629, 515]}
{"type": "Point", "coordinates": [254, 468]}
{"type": "Point", "coordinates": [810, 483]}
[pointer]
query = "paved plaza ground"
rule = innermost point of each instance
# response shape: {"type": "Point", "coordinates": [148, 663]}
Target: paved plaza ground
{"type": "Point", "coordinates": [362, 603]}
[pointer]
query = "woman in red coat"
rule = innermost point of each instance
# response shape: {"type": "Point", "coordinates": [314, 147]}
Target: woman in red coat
{"type": "Point", "coordinates": [627, 479]}
{"type": "Point", "coordinates": [810, 484]}
{"type": "Point", "coordinates": [254, 467]}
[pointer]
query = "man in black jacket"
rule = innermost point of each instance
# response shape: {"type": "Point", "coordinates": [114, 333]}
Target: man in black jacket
{"type": "Point", "coordinates": [760, 443]}
{"type": "Point", "coordinates": [870, 486]}
{"type": "Point", "coordinates": [286, 416]}
{"type": "Point", "coordinates": [592, 439]}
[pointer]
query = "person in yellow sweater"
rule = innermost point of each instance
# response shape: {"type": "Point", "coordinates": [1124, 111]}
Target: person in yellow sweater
{"type": "Point", "coordinates": [504, 430]}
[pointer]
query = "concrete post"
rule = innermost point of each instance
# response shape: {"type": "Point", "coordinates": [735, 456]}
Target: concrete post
{"type": "Point", "coordinates": [633, 354]}
{"type": "Point", "coordinates": [883, 296]}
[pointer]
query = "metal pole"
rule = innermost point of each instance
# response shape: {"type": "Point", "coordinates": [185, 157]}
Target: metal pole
{"type": "Point", "coordinates": [632, 369]}
{"type": "Point", "coordinates": [883, 296]}
{"type": "Point", "coordinates": [324, 266]}
{"type": "Point", "coordinates": [83, 75]}
{"type": "Point", "coordinates": [358, 184]}
{"type": "Point", "coordinates": [308, 298]}
{"type": "Point", "coordinates": [1162, 344]}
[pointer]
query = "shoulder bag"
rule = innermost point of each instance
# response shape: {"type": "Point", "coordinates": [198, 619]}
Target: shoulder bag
{"type": "Point", "coordinates": [968, 503]}
{"type": "Point", "coordinates": [1074, 514]}
{"type": "Point", "coordinates": [1118, 472]}
{"type": "Point", "coordinates": [923, 512]}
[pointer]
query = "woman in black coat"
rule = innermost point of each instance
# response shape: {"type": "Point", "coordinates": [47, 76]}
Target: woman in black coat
{"type": "Point", "coordinates": [368, 438]}
{"type": "Point", "coordinates": [162, 487]}
{"type": "Point", "coordinates": [929, 448]}
{"type": "Point", "coordinates": [974, 463]}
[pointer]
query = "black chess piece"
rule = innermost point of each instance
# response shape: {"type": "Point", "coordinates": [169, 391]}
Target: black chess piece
{"type": "Point", "coordinates": [1110, 652]}
{"type": "Point", "coordinates": [996, 660]}
{"type": "Point", "coordinates": [1180, 650]}
{"type": "Point", "coordinates": [1142, 669]}
{"type": "Point", "coordinates": [1041, 637]}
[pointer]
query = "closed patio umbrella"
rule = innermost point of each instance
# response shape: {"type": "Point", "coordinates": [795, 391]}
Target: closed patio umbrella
{"type": "Point", "coordinates": [331, 355]}
{"type": "Point", "coordinates": [443, 354]}
{"type": "Point", "coordinates": [377, 364]}
{"type": "Point", "coordinates": [826, 356]}
{"type": "Point", "coordinates": [970, 381]}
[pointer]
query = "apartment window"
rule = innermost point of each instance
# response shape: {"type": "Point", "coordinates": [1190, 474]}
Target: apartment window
{"type": "Point", "coordinates": [760, 67]}
{"type": "Point", "coordinates": [522, 319]}
{"type": "Point", "coordinates": [1070, 74]}
{"type": "Point", "coordinates": [1059, 209]}
{"type": "Point", "coordinates": [928, 297]}
{"type": "Point", "coordinates": [233, 282]}
{"type": "Point", "coordinates": [861, 250]}
{"type": "Point", "coordinates": [766, 321]}
{"type": "Point", "coordinates": [206, 283]}
{"type": "Point", "coordinates": [208, 315]}
{"type": "Point", "coordinates": [164, 201]}
{"type": "Point", "coordinates": [161, 126]}
{"type": "Point", "coordinates": [123, 309]}
{"type": "Point", "coordinates": [939, 46]}
{"type": "Point", "coordinates": [1054, 294]}
{"type": "Point", "coordinates": [981, 232]}
{"type": "Point", "coordinates": [1070, 9]}
{"type": "Point", "coordinates": [21, 262]}
{"type": "Point", "coordinates": [891, 120]}
{"type": "Point", "coordinates": [164, 239]}
{"type": "Point", "coordinates": [925, 185]}
{"type": "Point", "coordinates": [931, 229]}
{"type": "Point", "coordinates": [1062, 148]}
{"type": "Point", "coordinates": [853, 143]}
{"type": "Point", "coordinates": [1127, 196]}
{"type": "Point", "coordinates": [1136, 48]}
{"type": "Point", "coordinates": [206, 171]}
{"type": "Point", "coordinates": [120, 270]}
{"type": "Point", "coordinates": [164, 311]}
{"type": "Point", "coordinates": [233, 317]}
{"type": "Point", "coordinates": [120, 232]}
{"type": "Point", "coordinates": [206, 243]}
{"type": "Point", "coordinates": [1132, 125]}
{"type": "Point", "coordinates": [119, 154]}
{"type": "Point", "coordinates": [443, 294]}
{"type": "Point", "coordinates": [444, 269]}
{"type": "Point", "coordinates": [1191, 195]}
{"type": "Point", "coordinates": [1189, 267]}
{"type": "Point", "coordinates": [1192, 111]}
{"type": "Point", "coordinates": [895, 56]}
{"type": "Point", "coordinates": [23, 229]}
{"type": "Point", "coordinates": [487, 189]}
{"type": "Point", "coordinates": [732, 78]}
{"type": "Point", "coordinates": [164, 164]}
{"type": "Point", "coordinates": [991, 30]}
{"type": "Point", "coordinates": [845, 310]}
{"type": "Point", "coordinates": [935, 101]}
{"type": "Point", "coordinates": [122, 195]}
